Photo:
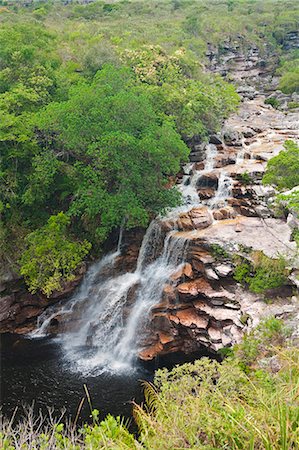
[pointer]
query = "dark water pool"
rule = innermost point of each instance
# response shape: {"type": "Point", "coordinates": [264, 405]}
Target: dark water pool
{"type": "Point", "coordinates": [34, 371]}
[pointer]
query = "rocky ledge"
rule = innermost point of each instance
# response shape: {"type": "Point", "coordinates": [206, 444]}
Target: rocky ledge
{"type": "Point", "coordinates": [202, 306]}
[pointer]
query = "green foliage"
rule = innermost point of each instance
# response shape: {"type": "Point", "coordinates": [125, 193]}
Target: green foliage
{"type": "Point", "coordinates": [293, 105]}
{"type": "Point", "coordinates": [269, 273]}
{"type": "Point", "coordinates": [273, 102]}
{"type": "Point", "coordinates": [123, 152]}
{"type": "Point", "coordinates": [262, 273]}
{"type": "Point", "coordinates": [289, 71]}
{"type": "Point", "coordinates": [283, 169]}
{"type": "Point", "coordinates": [197, 102]}
{"type": "Point", "coordinates": [242, 272]}
{"type": "Point", "coordinates": [246, 178]}
{"type": "Point", "coordinates": [51, 258]}
{"type": "Point", "coordinates": [219, 252]}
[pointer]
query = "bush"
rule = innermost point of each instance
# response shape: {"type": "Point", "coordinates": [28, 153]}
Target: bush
{"type": "Point", "coordinates": [269, 273]}
{"type": "Point", "coordinates": [207, 405]}
{"type": "Point", "coordinates": [283, 169]}
{"type": "Point", "coordinates": [273, 102]}
{"type": "Point", "coordinates": [263, 273]}
{"type": "Point", "coordinates": [51, 257]}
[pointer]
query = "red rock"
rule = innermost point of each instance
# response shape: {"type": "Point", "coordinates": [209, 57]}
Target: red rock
{"type": "Point", "coordinates": [199, 165]}
{"type": "Point", "coordinates": [27, 313]}
{"type": "Point", "coordinates": [206, 193]}
{"type": "Point", "coordinates": [189, 318]}
{"type": "Point", "coordinates": [169, 293]}
{"type": "Point", "coordinates": [151, 352]}
{"type": "Point", "coordinates": [198, 266]}
{"type": "Point", "coordinates": [194, 288]}
{"type": "Point", "coordinates": [197, 218]}
{"type": "Point", "coordinates": [165, 338]}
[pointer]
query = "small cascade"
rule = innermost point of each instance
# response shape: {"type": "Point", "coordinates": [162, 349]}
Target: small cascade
{"type": "Point", "coordinates": [211, 153]}
{"type": "Point", "coordinates": [224, 191]}
{"type": "Point", "coordinates": [188, 187]}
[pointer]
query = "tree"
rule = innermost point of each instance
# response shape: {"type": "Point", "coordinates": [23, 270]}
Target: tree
{"type": "Point", "coordinates": [120, 148]}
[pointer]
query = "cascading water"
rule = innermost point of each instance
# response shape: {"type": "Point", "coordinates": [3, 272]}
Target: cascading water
{"type": "Point", "coordinates": [223, 192]}
{"type": "Point", "coordinates": [104, 332]}
{"type": "Point", "coordinates": [109, 313]}
{"type": "Point", "coordinates": [110, 325]}
{"type": "Point", "coordinates": [188, 187]}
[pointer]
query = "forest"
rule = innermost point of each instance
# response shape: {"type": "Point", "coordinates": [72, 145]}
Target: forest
{"type": "Point", "coordinates": [102, 105]}
{"type": "Point", "coordinates": [68, 179]}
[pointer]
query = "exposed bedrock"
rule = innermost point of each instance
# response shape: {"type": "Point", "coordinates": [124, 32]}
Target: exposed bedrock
{"type": "Point", "coordinates": [202, 305]}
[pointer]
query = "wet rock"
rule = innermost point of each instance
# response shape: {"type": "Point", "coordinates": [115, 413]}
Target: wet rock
{"type": "Point", "coordinates": [186, 271]}
{"type": "Point", "coordinates": [151, 352]}
{"type": "Point", "coordinates": [206, 193]}
{"type": "Point", "coordinates": [208, 180]}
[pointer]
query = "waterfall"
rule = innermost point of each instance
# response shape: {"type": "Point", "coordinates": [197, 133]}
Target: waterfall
{"type": "Point", "coordinates": [110, 325]}
{"type": "Point", "coordinates": [223, 192]}
{"type": "Point", "coordinates": [211, 152]}
{"type": "Point", "coordinates": [80, 296]}
{"type": "Point", "coordinates": [109, 313]}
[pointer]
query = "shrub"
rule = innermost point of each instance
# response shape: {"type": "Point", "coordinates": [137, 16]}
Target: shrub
{"type": "Point", "coordinates": [246, 178]}
{"type": "Point", "coordinates": [242, 272]}
{"type": "Point", "coordinates": [207, 405]}
{"type": "Point", "coordinates": [263, 273]}
{"type": "Point", "coordinates": [269, 273]}
{"type": "Point", "coordinates": [219, 252]}
{"type": "Point", "coordinates": [273, 102]}
{"type": "Point", "coordinates": [51, 257]}
{"type": "Point", "coordinates": [283, 169]}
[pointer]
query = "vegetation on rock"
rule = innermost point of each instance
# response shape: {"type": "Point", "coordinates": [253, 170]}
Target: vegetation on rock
{"type": "Point", "coordinates": [261, 273]}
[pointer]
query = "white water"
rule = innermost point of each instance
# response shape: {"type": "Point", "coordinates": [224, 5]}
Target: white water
{"type": "Point", "coordinates": [188, 187]}
{"type": "Point", "coordinates": [224, 191]}
{"type": "Point", "coordinates": [111, 327]}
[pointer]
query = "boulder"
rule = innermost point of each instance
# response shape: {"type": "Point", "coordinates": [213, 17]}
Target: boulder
{"type": "Point", "coordinates": [224, 270]}
{"type": "Point", "coordinates": [195, 219]}
{"type": "Point", "coordinates": [214, 139]}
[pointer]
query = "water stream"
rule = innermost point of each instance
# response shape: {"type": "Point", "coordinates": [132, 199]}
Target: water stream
{"type": "Point", "coordinates": [105, 319]}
